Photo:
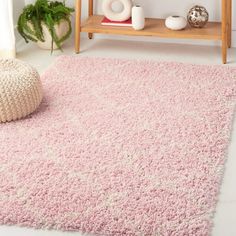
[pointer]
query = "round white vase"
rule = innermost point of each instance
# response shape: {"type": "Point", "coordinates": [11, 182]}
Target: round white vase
{"type": "Point", "coordinates": [60, 29]}
{"type": "Point", "coordinates": [175, 22]}
{"type": "Point", "coordinates": [138, 19]}
{"type": "Point", "coordinates": [111, 14]}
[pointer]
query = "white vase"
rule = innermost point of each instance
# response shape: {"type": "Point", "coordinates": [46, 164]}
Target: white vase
{"type": "Point", "coordinates": [113, 15]}
{"type": "Point", "coordinates": [60, 29]}
{"type": "Point", "coordinates": [138, 19]}
{"type": "Point", "coordinates": [175, 22]}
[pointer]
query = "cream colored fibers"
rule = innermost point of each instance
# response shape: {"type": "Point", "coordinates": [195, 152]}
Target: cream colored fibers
{"type": "Point", "coordinates": [20, 89]}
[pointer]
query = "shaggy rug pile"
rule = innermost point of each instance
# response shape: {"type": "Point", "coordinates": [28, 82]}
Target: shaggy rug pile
{"type": "Point", "coordinates": [120, 147]}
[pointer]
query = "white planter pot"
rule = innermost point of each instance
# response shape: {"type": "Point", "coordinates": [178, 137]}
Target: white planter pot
{"type": "Point", "coordinates": [61, 29]}
{"type": "Point", "coordinates": [138, 19]}
{"type": "Point", "coordinates": [175, 22]}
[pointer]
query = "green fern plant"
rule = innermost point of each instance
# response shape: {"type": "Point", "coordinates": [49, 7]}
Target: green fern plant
{"type": "Point", "coordinates": [45, 12]}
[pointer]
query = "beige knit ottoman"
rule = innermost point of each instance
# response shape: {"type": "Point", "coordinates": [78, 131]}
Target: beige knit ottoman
{"type": "Point", "coordinates": [20, 89]}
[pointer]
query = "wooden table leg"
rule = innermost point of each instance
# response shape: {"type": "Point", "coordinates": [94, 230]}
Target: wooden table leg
{"type": "Point", "coordinates": [229, 27]}
{"type": "Point", "coordinates": [77, 25]}
{"type": "Point", "coordinates": [224, 31]}
{"type": "Point", "coordinates": [90, 13]}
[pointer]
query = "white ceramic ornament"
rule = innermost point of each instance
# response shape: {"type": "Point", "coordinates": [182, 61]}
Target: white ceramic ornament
{"type": "Point", "coordinates": [175, 22]}
{"type": "Point", "coordinates": [112, 15]}
{"type": "Point", "coordinates": [138, 19]}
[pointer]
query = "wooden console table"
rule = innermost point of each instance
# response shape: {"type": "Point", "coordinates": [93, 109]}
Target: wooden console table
{"type": "Point", "coordinates": [156, 27]}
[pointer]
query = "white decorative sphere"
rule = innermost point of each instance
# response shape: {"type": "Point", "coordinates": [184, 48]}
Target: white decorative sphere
{"type": "Point", "coordinates": [176, 22]}
{"type": "Point", "coordinates": [112, 15]}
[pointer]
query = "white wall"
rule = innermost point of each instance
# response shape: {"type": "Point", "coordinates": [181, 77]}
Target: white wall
{"type": "Point", "coordinates": [17, 9]}
{"type": "Point", "coordinates": [162, 9]}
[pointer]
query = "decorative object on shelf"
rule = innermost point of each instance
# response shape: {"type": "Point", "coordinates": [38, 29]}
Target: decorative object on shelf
{"type": "Point", "coordinates": [21, 89]}
{"type": "Point", "coordinates": [138, 19]}
{"type": "Point", "coordinates": [175, 22]}
{"type": "Point", "coordinates": [112, 15]}
{"type": "Point", "coordinates": [108, 22]}
{"type": "Point", "coordinates": [45, 22]}
{"type": "Point", "coordinates": [198, 16]}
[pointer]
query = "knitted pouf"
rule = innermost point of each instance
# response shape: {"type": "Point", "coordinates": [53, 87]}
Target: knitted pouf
{"type": "Point", "coordinates": [20, 89]}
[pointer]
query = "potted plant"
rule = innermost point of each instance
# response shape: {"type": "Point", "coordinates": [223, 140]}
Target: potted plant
{"type": "Point", "coordinates": [46, 22]}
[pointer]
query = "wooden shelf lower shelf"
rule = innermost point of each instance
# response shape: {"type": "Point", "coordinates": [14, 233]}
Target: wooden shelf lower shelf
{"type": "Point", "coordinates": [154, 27]}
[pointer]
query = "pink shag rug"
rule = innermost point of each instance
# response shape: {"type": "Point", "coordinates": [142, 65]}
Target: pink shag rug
{"type": "Point", "coordinates": [120, 147]}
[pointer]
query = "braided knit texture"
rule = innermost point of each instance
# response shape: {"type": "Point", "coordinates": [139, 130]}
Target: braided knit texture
{"type": "Point", "coordinates": [20, 89]}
